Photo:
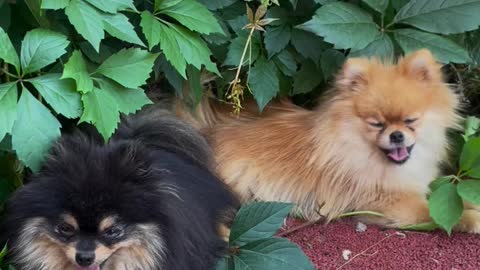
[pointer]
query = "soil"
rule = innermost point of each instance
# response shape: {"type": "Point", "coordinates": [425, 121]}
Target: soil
{"type": "Point", "coordinates": [339, 245]}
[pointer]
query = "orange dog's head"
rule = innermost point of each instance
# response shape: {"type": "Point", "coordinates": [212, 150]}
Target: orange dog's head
{"type": "Point", "coordinates": [398, 106]}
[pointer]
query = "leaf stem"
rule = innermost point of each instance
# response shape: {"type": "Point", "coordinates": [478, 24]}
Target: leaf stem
{"type": "Point", "coordinates": [249, 39]}
{"type": "Point", "coordinates": [4, 70]}
{"type": "Point", "coordinates": [356, 213]}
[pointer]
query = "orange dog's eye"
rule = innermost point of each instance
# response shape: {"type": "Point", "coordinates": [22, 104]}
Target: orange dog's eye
{"type": "Point", "coordinates": [377, 124]}
{"type": "Point", "coordinates": [410, 121]}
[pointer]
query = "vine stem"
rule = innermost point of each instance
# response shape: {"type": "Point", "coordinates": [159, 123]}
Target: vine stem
{"type": "Point", "coordinates": [237, 75]}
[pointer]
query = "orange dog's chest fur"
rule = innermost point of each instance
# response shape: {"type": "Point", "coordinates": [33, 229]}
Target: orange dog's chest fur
{"type": "Point", "coordinates": [328, 161]}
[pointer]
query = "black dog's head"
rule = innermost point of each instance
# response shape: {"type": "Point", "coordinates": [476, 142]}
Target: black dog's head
{"type": "Point", "coordinates": [92, 206]}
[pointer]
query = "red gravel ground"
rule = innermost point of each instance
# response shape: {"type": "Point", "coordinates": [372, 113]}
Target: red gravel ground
{"type": "Point", "coordinates": [385, 249]}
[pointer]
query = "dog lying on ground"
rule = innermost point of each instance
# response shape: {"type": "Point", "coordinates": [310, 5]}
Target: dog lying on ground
{"type": "Point", "coordinates": [145, 200]}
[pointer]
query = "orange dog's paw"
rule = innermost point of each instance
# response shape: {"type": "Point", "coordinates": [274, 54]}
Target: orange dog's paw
{"type": "Point", "coordinates": [470, 221]}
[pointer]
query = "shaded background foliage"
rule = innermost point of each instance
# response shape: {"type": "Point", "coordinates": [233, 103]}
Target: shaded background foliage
{"type": "Point", "coordinates": [73, 62]}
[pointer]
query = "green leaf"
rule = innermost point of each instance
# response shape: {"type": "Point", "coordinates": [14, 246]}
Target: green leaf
{"type": "Point", "coordinates": [8, 108]}
{"type": "Point", "coordinates": [425, 227]}
{"type": "Point", "coordinates": [127, 100]}
{"type": "Point", "coordinates": [55, 4]}
{"type": "Point", "coordinates": [112, 6]}
{"type": "Point", "coordinates": [274, 253]}
{"type": "Point", "coordinates": [472, 127]}
{"type": "Point", "coordinates": [101, 110]}
{"type": "Point", "coordinates": [258, 220]}
{"type": "Point", "coordinates": [151, 29]}
{"type": "Point", "coordinates": [195, 83]}
{"type": "Point", "coordinates": [286, 62]}
{"type": "Point", "coordinates": [129, 67]}
{"type": "Point", "coordinates": [308, 44]}
{"type": "Point", "coordinates": [277, 38]}
{"type": "Point", "coordinates": [445, 17]}
{"type": "Point", "coordinates": [76, 68]}
{"type": "Point", "coordinates": [60, 94]}
{"type": "Point", "coordinates": [34, 131]}
{"type": "Point", "coordinates": [264, 81]}
{"type": "Point", "coordinates": [40, 48]}
{"type": "Point", "coordinates": [331, 62]}
{"type": "Point", "coordinates": [87, 21]}
{"type": "Point", "coordinates": [217, 4]}
{"type": "Point", "coordinates": [440, 181]}
{"type": "Point", "coordinates": [5, 18]}
{"type": "Point", "coordinates": [446, 207]}
{"type": "Point", "coordinates": [381, 48]}
{"type": "Point", "coordinates": [307, 78]}
{"type": "Point", "coordinates": [38, 14]}
{"type": "Point", "coordinates": [120, 27]}
{"type": "Point", "coordinates": [398, 4]}
{"type": "Point", "coordinates": [344, 25]}
{"type": "Point", "coordinates": [7, 51]}
{"type": "Point", "coordinates": [191, 14]}
{"type": "Point", "coordinates": [378, 5]}
{"type": "Point", "coordinates": [470, 158]}
{"type": "Point", "coordinates": [444, 49]}
{"type": "Point", "coordinates": [171, 49]}
{"type": "Point", "coordinates": [470, 190]}
{"type": "Point", "coordinates": [235, 50]}
{"type": "Point", "coordinates": [194, 49]}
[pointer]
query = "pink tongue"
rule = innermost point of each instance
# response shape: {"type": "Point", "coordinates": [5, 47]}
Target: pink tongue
{"type": "Point", "coordinates": [95, 267]}
{"type": "Point", "coordinates": [398, 154]}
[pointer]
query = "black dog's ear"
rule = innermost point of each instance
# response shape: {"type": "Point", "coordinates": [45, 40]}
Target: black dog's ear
{"type": "Point", "coordinates": [133, 160]}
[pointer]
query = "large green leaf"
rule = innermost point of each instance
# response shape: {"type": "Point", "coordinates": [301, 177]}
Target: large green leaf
{"type": "Point", "coordinates": [76, 68]}
{"type": "Point", "coordinates": [378, 5]}
{"type": "Point", "coordinates": [55, 4]}
{"type": "Point", "coordinates": [277, 38]}
{"type": "Point", "coordinates": [470, 191]}
{"type": "Point", "coordinates": [445, 17]}
{"type": "Point", "coordinates": [446, 206]}
{"type": "Point", "coordinates": [344, 25]}
{"type": "Point", "coordinates": [120, 27]}
{"type": "Point", "coordinates": [308, 44]}
{"type": "Point", "coordinates": [8, 108]}
{"type": "Point", "coordinates": [34, 131]}
{"type": "Point", "coordinates": [7, 51]}
{"type": "Point", "coordinates": [274, 253]}
{"type": "Point", "coordinates": [217, 4]}
{"type": "Point", "coordinates": [440, 181]}
{"type": "Point", "coordinates": [382, 48]}
{"type": "Point", "coordinates": [112, 6]}
{"type": "Point", "coordinates": [87, 21]}
{"type": "Point", "coordinates": [129, 67]}
{"type": "Point", "coordinates": [286, 62]}
{"type": "Point", "coordinates": [472, 127]}
{"type": "Point", "coordinates": [235, 51]}
{"type": "Point", "coordinates": [101, 110]}
{"type": "Point", "coordinates": [257, 221]}
{"type": "Point", "coordinates": [444, 49]}
{"type": "Point", "coordinates": [264, 81]}
{"type": "Point", "coordinates": [470, 158]}
{"type": "Point", "coordinates": [171, 49]}
{"type": "Point", "coordinates": [307, 78]}
{"type": "Point", "coordinates": [191, 14]}
{"type": "Point", "coordinates": [41, 47]}
{"type": "Point", "coordinates": [194, 49]}
{"type": "Point", "coordinates": [151, 29]}
{"type": "Point", "coordinates": [60, 94]}
{"type": "Point", "coordinates": [331, 62]}
{"type": "Point", "coordinates": [127, 100]}
{"type": "Point", "coordinates": [34, 6]}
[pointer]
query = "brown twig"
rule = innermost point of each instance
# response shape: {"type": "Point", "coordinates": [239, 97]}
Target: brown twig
{"type": "Point", "coordinates": [299, 227]}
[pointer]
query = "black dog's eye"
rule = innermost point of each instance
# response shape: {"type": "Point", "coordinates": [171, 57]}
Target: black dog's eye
{"type": "Point", "coordinates": [65, 229]}
{"type": "Point", "coordinates": [410, 121]}
{"type": "Point", "coordinates": [112, 232]}
{"type": "Point", "coordinates": [377, 124]}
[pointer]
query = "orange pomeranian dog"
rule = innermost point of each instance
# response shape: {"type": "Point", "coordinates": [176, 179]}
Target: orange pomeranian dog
{"type": "Point", "coordinates": [375, 143]}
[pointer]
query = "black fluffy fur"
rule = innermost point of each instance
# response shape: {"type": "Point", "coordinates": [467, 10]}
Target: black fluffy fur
{"type": "Point", "coordinates": [88, 178]}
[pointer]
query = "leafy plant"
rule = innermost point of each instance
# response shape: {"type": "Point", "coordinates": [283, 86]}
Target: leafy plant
{"type": "Point", "coordinates": [252, 241]}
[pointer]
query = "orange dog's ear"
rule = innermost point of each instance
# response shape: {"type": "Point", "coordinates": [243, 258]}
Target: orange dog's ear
{"type": "Point", "coordinates": [353, 76]}
{"type": "Point", "coordinates": [421, 65]}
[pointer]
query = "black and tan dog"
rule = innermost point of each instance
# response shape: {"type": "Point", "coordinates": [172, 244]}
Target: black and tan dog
{"type": "Point", "coordinates": [145, 200]}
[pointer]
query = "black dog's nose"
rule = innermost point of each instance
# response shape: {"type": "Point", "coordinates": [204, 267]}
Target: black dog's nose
{"type": "Point", "coordinates": [397, 137]}
{"type": "Point", "coordinates": [85, 258]}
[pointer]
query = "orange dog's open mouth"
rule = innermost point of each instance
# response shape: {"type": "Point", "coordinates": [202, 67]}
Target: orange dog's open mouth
{"type": "Point", "coordinates": [399, 154]}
